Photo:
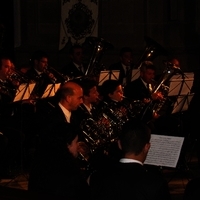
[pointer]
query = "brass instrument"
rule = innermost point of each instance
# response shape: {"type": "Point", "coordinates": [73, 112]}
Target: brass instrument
{"type": "Point", "coordinates": [56, 75]}
{"type": "Point", "coordinates": [152, 50]}
{"type": "Point", "coordinates": [6, 89]}
{"type": "Point", "coordinates": [17, 76]}
{"type": "Point", "coordinates": [100, 45]}
{"type": "Point", "coordinates": [163, 86]}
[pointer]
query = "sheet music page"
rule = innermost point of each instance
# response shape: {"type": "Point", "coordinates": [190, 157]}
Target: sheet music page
{"type": "Point", "coordinates": [182, 103]}
{"type": "Point", "coordinates": [106, 75]}
{"type": "Point", "coordinates": [135, 74]}
{"type": "Point", "coordinates": [29, 90]}
{"type": "Point", "coordinates": [20, 92]}
{"type": "Point", "coordinates": [175, 87]}
{"type": "Point", "coordinates": [164, 150]}
{"type": "Point", "coordinates": [47, 91]}
{"type": "Point", "coordinates": [54, 90]}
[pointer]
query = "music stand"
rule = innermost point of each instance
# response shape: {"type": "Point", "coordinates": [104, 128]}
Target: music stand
{"type": "Point", "coordinates": [182, 103]}
{"type": "Point", "coordinates": [181, 84]}
{"type": "Point", "coordinates": [24, 91]}
{"type": "Point", "coordinates": [108, 75]}
{"type": "Point", "coordinates": [135, 74]}
{"type": "Point", "coordinates": [51, 90]}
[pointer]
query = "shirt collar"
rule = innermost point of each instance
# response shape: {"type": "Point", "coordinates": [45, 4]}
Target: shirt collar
{"type": "Point", "coordinates": [66, 112]}
{"type": "Point", "coordinates": [129, 160]}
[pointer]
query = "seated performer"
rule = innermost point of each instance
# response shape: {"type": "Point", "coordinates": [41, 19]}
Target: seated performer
{"type": "Point", "coordinates": [129, 177]}
{"type": "Point", "coordinates": [111, 92]}
{"type": "Point", "coordinates": [54, 171]}
{"type": "Point", "coordinates": [75, 68]}
{"type": "Point", "coordinates": [68, 98]}
{"type": "Point", "coordinates": [141, 89]}
{"type": "Point", "coordinates": [10, 119]}
{"type": "Point", "coordinates": [125, 65]}
{"type": "Point", "coordinates": [90, 99]}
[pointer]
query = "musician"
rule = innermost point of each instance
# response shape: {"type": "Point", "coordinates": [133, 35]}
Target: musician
{"type": "Point", "coordinates": [141, 89]}
{"type": "Point", "coordinates": [90, 99]}
{"type": "Point", "coordinates": [129, 177]}
{"type": "Point", "coordinates": [75, 68]}
{"type": "Point", "coordinates": [112, 94]}
{"type": "Point", "coordinates": [117, 110]}
{"type": "Point", "coordinates": [125, 65]}
{"type": "Point", "coordinates": [68, 98]}
{"type": "Point", "coordinates": [9, 119]}
{"type": "Point", "coordinates": [54, 172]}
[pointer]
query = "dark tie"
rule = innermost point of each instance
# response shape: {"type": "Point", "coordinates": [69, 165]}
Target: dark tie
{"type": "Point", "coordinates": [128, 75]}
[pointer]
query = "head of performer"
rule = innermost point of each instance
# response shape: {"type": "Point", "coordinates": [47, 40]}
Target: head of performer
{"type": "Point", "coordinates": [90, 91]}
{"type": "Point", "coordinates": [126, 56]}
{"type": "Point", "coordinates": [76, 54]}
{"type": "Point", "coordinates": [134, 140]}
{"type": "Point", "coordinates": [112, 89]}
{"type": "Point", "coordinates": [5, 67]}
{"type": "Point", "coordinates": [70, 95]}
{"type": "Point", "coordinates": [39, 61]}
{"type": "Point", "coordinates": [175, 62]}
{"type": "Point", "coordinates": [147, 71]}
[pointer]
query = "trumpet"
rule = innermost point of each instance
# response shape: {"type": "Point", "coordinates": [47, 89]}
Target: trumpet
{"type": "Point", "coordinates": [15, 76]}
{"type": "Point", "coordinates": [55, 75]}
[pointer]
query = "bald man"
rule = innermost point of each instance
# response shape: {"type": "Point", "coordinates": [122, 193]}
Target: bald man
{"type": "Point", "coordinates": [68, 99]}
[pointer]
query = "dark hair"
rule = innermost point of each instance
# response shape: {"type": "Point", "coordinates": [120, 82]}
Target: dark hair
{"type": "Point", "coordinates": [108, 87]}
{"type": "Point", "coordinates": [87, 84]}
{"type": "Point", "coordinates": [147, 65]}
{"type": "Point", "coordinates": [4, 56]}
{"type": "Point", "coordinates": [134, 135]}
{"type": "Point", "coordinates": [124, 50]}
{"type": "Point", "coordinates": [38, 55]}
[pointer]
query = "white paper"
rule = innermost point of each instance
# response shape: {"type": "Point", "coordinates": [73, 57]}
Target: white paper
{"type": "Point", "coordinates": [180, 85]}
{"type": "Point", "coordinates": [182, 103]}
{"type": "Point", "coordinates": [51, 89]}
{"type": "Point", "coordinates": [108, 75]}
{"type": "Point", "coordinates": [24, 91]}
{"type": "Point", "coordinates": [164, 150]}
{"type": "Point", "coordinates": [135, 74]}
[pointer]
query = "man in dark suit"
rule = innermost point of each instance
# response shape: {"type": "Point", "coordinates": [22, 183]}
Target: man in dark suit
{"type": "Point", "coordinates": [125, 65]}
{"type": "Point", "coordinates": [129, 178]}
{"type": "Point", "coordinates": [68, 98]}
{"type": "Point", "coordinates": [75, 68]}
{"type": "Point", "coordinates": [141, 89]}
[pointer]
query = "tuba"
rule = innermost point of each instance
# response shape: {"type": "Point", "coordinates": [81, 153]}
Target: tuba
{"type": "Point", "coordinates": [163, 85]}
{"type": "Point", "coordinates": [152, 50]}
{"type": "Point", "coordinates": [100, 45]}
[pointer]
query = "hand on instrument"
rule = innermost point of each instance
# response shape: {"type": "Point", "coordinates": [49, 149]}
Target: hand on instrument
{"type": "Point", "coordinates": [157, 96]}
{"type": "Point", "coordinates": [146, 100]}
{"type": "Point", "coordinates": [84, 150]}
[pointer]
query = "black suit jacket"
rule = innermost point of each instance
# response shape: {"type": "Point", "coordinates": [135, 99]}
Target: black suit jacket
{"type": "Point", "coordinates": [55, 172]}
{"type": "Point", "coordinates": [129, 181]}
{"type": "Point", "coordinates": [136, 90]}
{"type": "Point", "coordinates": [122, 73]}
{"type": "Point", "coordinates": [71, 70]}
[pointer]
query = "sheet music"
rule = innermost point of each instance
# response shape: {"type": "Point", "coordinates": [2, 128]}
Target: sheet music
{"type": "Point", "coordinates": [24, 91]}
{"type": "Point", "coordinates": [180, 85]}
{"type": "Point", "coordinates": [108, 75]}
{"type": "Point", "coordinates": [164, 150]}
{"type": "Point", "coordinates": [135, 74]}
{"type": "Point", "coordinates": [51, 89]}
{"type": "Point", "coordinates": [182, 103]}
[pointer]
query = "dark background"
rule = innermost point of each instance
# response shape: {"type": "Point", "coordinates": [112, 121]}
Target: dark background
{"type": "Point", "coordinates": [175, 24]}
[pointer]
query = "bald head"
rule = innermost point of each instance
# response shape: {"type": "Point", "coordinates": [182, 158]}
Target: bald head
{"type": "Point", "coordinates": [71, 95]}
